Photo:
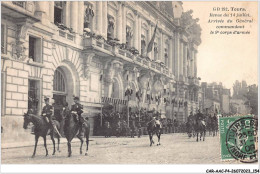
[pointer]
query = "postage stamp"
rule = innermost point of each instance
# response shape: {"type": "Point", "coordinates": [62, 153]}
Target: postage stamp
{"type": "Point", "coordinates": [239, 138]}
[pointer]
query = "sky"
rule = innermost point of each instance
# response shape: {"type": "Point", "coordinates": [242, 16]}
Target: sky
{"type": "Point", "coordinates": [226, 58]}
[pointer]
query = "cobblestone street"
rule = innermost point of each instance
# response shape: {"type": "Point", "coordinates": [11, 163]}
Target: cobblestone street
{"type": "Point", "coordinates": [174, 149]}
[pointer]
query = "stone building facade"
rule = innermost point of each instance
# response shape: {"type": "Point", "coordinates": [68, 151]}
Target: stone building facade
{"type": "Point", "coordinates": [94, 50]}
{"type": "Point", "coordinates": [216, 98]}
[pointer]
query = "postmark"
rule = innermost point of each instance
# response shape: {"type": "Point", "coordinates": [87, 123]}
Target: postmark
{"type": "Point", "coordinates": [239, 138]}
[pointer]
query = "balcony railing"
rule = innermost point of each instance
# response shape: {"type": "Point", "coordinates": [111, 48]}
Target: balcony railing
{"type": "Point", "coordinates": [17, 9]}
{"type": "Point", "coordinates": [20, 3]}
{"type": "Point", "coordinates": [66, 35]}
{"type": "Point", "coordinates": [27, 5]}
{"type": "Point", "coordinates": [92, 42]}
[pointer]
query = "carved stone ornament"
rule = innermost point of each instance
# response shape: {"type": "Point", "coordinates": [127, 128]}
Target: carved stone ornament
{"type": "Point", "coordinates": [86, 64]}
{"type": "Point", "coordinates": [18, 48]}
{"type": "Point", "coordinates": [110, 70]}
{"type": "Point", "coordinates": [18, 51]}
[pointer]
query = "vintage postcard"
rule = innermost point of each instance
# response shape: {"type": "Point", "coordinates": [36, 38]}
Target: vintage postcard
{"type": "Point", "coordinates": [130, 82]}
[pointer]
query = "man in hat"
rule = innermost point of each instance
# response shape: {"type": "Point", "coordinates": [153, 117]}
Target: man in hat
{"type": "Point", "coordinates": [200, 117]}
{"type": "Point", "coordinates": [47, 115]}
{"type": "Point", "coordinates": [78, 108]}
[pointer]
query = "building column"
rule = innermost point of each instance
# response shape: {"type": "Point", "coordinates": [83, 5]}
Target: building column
{"type": "Point", "coordinates": [176, 54]}
{"type": "Point", "coordinates": [81, 17]}
{"type": "Point", "coordinates": [139, 33]}
{"type": "Point", "coordinates": [161, 57]}
{"type": "Point", "coordinates": [181, 58]}
{"type": "Point", "coordinates": [192, 63]}
{"type": "Point", "coordinates": [185, 59]}
{"type": "Point", "coordinates": [119, 23]}
{"type": "Point", "coordinates": [67, 13]}
{"type": "Point", "coordinates": [99, 17]}
{"type": "Point", "coordinates": [123, 31]}
{"type": "Point", "coordinates": [170, 55]}
{"type": "Point", "coordinates": [173, 54]}
{"type": "Point", "coordinates": [136, 34]}
{"type": "Point", "coordinates": [42, 10]}
{"type": "Point", "coordinates": [149, 36]}
{"type": "Point", "coordinates": [195, 64]}
{"type": "Point", "coordinates": [74, 14]}
{"type": "Point", "coordinates": [104, 22]}
{"type": "Point", "coordinates": [51, 11]}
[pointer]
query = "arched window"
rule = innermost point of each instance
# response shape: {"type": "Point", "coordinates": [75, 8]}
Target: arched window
{"type": "Point", "coordinates": [59, 82]}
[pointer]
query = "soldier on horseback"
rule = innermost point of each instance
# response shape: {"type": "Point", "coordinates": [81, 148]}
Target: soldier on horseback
{"type": "Point", "coordinates": [157, 119]}
{"type": "Point", "coordinates": [47, 113]}
{"type": "Point", "coordinates": [200, 117]}
{"type": "Point", "coordinates": [77, 108]}
{"type": "Point", "coordinates": [190, 118]}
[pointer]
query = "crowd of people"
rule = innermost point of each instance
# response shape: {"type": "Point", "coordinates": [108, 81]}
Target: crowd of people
{"type": "Point", "coordinates": [137, 120]}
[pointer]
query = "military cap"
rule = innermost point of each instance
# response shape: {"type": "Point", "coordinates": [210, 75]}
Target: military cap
{"type": "Point", "coordinates": [76, 98]}
{"type": "Point", "coordinates": [46, 98]}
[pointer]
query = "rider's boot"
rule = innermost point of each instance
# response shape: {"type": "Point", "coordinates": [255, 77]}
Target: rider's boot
{"type": "Point", "coordinates": [80, 134]}
{"type": "Point", "coordinates": [81, 122]}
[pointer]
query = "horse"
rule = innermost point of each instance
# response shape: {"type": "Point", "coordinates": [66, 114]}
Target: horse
{"type": "Point", "coordinates": [200, 127]}
{"type": "Point", "coordinates": [154, 128]}
{"type": "Point", "coordinates": [71, 128]}
{"type": "Point", "coordinates": [212, 126]}
{"type": "Point", "coordinates": [41, 128]}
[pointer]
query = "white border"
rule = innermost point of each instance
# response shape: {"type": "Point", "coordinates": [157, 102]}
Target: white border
{"type": "Point", "coordinates": [28, 169]}
{"type": "Point", "coordinates": [195, 168]}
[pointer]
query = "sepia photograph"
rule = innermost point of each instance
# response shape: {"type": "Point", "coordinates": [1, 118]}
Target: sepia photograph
{"type": "Point", "coordinates": [130, 83]}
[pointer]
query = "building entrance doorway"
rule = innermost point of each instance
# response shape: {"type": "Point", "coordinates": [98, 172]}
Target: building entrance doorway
{"type": "Point", "coordinates": [60, 92]}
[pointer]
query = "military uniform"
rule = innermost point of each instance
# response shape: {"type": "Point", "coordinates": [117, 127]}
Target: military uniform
{"type": "Point", "coordinates": [200, 117]}
{"type": "Point", "coordinates": [47, 113]}
{"type": "Point", "coordinates": [78, 108]}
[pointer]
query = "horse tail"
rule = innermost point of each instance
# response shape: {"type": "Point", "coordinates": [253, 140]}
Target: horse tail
{"type": "Point", "coordinates": [86, 126]}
